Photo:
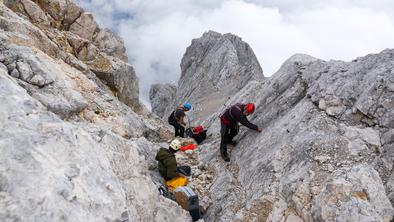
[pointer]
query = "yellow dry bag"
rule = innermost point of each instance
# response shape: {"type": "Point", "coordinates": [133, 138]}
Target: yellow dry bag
{"type": "Point", "coordinates": [176, 182]}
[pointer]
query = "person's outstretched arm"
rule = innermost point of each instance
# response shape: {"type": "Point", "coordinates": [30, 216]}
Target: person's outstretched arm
{"type": "Point", "coordinates": [240, 117]}
{"type": "Point", "coordinates": [244, 121]}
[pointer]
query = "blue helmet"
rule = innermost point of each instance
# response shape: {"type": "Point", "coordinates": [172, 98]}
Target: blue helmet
{"type": "Point", "coordinates": [187, 106]}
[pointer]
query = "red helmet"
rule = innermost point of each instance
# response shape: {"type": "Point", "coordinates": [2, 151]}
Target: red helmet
{"type": "Point", "coordinates": [249, 107]}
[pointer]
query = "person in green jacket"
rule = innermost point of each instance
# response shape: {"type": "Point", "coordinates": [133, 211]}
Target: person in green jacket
{"type": "Point", "coordinates": [167, 164]}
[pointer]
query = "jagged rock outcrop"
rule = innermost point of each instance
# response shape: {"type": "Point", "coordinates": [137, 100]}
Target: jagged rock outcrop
{"type": "Point", "coordinates": [111, 44]}
{"type": "Point", "coordinates": [160, 95]}
{"type": "Point", "coordinates": [72, 149]}
{"type": "Point", "coordinates": [326, 150]}
{"type": "Point", "coordinates": [64, 31]}
{"type": "Point", "coordinates": [213, 67]}
{"type": "Point", "coordinates": [84, 26]}
{"type": "Point", "coordinates": [53, 170]}
{"type": "Point", "coordinates": [70, 136]}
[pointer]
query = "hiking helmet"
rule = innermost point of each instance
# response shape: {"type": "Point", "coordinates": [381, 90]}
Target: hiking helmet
{"type": "Point", "coordinates": [187, 106]}
{"type": "Point", "coordinates": [175, 144]}
{"type": "Point", "coordinates": [249, 107]}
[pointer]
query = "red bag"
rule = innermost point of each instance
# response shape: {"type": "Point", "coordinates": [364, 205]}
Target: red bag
{"type": "Point", "coordinates": [198, 129]}
{"type": "Point", "coordinates": [188, 147]}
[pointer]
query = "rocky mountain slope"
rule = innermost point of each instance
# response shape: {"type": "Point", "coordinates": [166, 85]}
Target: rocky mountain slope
{"type": "Point", "coordinates": [73, 136]}
{"type": "Point", "coordinates": [160, 95]}
{"type": "Point", "coordinates": [213, 66]}
{"type": "Point", "coordinates": [77, 145]}
{"type": "Point", "coordinates": [326, 150]}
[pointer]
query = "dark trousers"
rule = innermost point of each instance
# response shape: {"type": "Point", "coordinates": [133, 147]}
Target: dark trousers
{"type": "Point", "coordinates": [227, 133]}
{"type": "Point", "coordinates": [179, 129]}
{"type": "Point", "coordinates": [185, 170]}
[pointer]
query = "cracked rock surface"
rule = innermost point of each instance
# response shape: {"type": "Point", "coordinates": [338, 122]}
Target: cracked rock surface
{"type": "Point", "coordinates": [71, 126]}
{"type": "Point", "coordinates": [326, 150]}
{"type": "Point", "coordinates": [213, 65]}
{"type": "Point", "coordinates": [160, 96]}
{"type": "Point", "coordinates": [77, 145]}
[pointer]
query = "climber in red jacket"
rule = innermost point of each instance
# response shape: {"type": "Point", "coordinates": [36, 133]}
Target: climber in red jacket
{"type": "Point", "coordinates": [229, 125]}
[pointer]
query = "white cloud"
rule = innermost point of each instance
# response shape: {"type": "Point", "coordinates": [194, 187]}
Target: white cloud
{"type": "Point", "coordinates": [157, 32]}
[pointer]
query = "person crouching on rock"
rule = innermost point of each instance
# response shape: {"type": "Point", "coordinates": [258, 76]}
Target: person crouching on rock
{"type": "Point", "coordinates": [167, 164]}
{"type": "Point", "coordinates": [177, 119]}
{"type": "Point", "coordinates": [229, 125]}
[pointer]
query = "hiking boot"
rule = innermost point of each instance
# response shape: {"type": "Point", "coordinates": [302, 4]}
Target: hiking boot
{"type": "Point", "coordinates": [225, 157]}
{"type": "Point", "coordinates": [232, 142]}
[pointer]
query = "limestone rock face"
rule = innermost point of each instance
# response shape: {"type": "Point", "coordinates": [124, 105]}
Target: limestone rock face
{"type": "Point", "coordinates": [34, 12]}
{"type": "Point", "coordinates": [119, 76]}
{"type": "Point", "coordinates": [36, 145]}
{"type": "Point", "coordinates": [54, 170]}
{"type": "Point", "coordinates": [111, 44]}
{"type": "Point", "coordinates": [365, 89]}
{"type": "Point", "coordinates": [350, 191]}
{"type": "Point", "coordinates": [43, 80]}
{"type": "Point", "coordinates": [56, 13]}
{"type": "Point", "coordinates": [214, 67]}
{"type": "Point", "coordinates": [69, 134]}
{"type": "Point", "coordinates": [161, 96]}
{"type": "Point", "coordinates": [74, 147]}
{"type": "Point", "coordinates": [63, 31]}
{"type": "Point", "coordinates": [17, 30]}
{"type": "Point", "coordinates": [326, 150]}
{"type": "Point", "coordinates": [85, 26]}
{"type": "Point", "coordinates": [318, 161]}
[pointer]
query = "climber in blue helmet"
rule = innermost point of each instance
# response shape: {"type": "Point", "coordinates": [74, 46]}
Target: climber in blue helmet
{"type": "Point", "coordinates": [177, 119]}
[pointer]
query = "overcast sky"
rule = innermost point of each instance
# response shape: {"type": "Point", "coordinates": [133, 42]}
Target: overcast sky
{"type": "Point", "coordinates": [157, 32]}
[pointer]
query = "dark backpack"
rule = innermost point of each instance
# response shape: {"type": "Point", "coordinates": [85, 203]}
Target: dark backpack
{"type": "Point", "coordinates": [197, 136]}
{"type": "Point", "coordinates": [223, 118]}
